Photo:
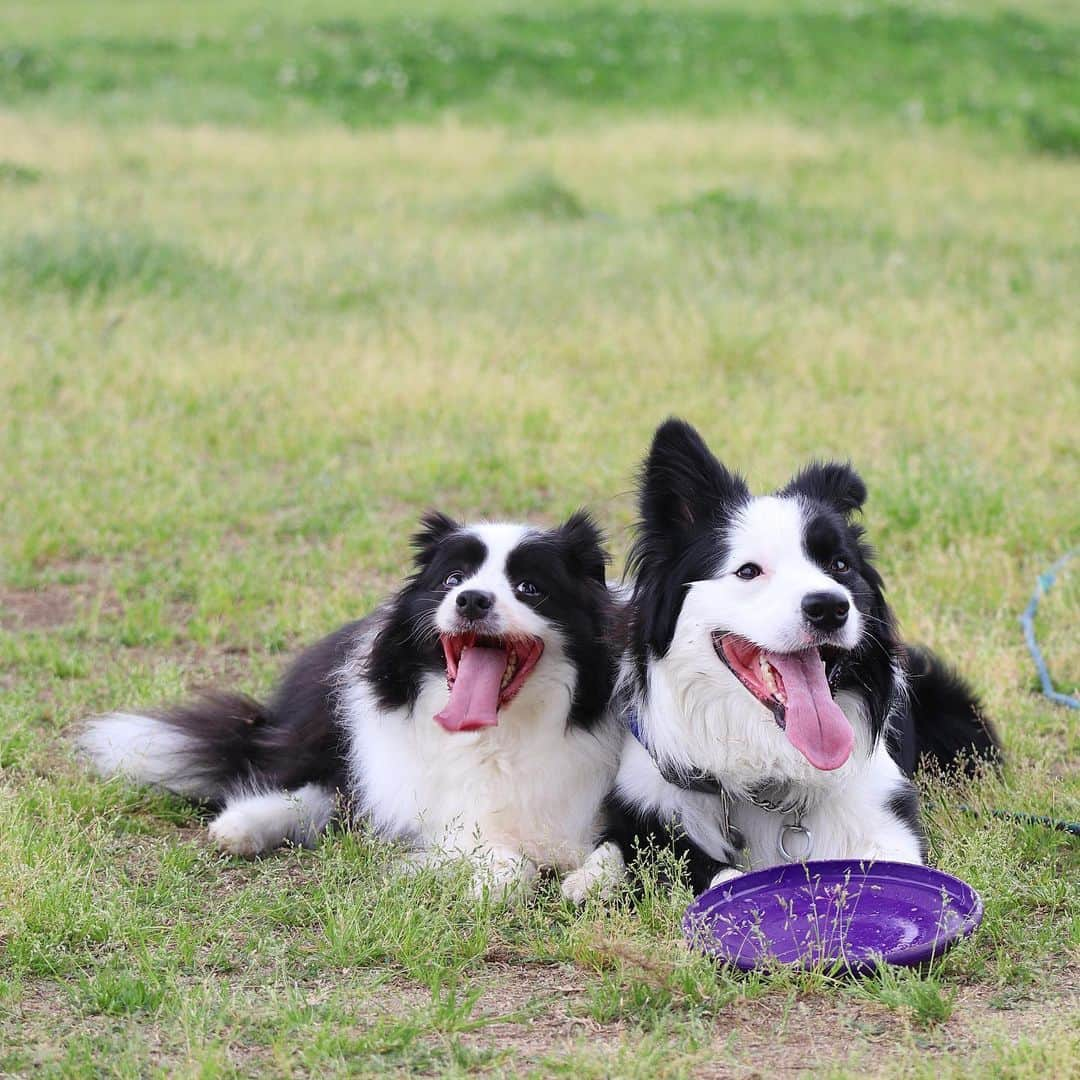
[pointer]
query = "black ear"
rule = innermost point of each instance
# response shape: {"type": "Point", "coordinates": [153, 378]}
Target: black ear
{"type": "Point", "coordinates": [832, 482]}
{"type": "Point", "coordinates": [682, 484]}
{"type": "Point", "coordinates": [584, 543]}
{"type": "Point", "coordinates": [434, 529]}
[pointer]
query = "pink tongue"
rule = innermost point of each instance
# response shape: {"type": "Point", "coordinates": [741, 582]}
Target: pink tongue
{"type": "Point", "coordinates": [815, 724]}
{"type": "Point", "coordinates": [474, 697]}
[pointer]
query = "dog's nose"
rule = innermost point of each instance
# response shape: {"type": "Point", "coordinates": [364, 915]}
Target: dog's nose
{"type": "Point", "coordinates": [474, 603]}
{"type": "Point", "coordinates": [825, 611]}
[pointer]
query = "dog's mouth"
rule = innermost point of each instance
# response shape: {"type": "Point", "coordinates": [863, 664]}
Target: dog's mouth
{"type": "Point", "coordinates": [484, 675]}
{"type": "Point", "coordinates": [796, 688]}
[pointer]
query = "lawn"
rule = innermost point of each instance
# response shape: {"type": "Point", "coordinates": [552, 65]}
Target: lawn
{"type": "Point", "coordinates": [276, 278]}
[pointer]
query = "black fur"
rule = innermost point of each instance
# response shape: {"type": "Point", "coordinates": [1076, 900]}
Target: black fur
{"type": "Point", "coordinates": [905, 806]}
{"type": "Point", "coordinates": [644, 836]}
{"type": "Point", "coordinates": [831, 493]}
{"type": "Point", "coordinates": [568, 565]}
{"type": "Point", "coordinates": [686, 496]}
{"type": "Point", "coordinates": [832, 483]}
{"type": "Point", "coordinates": [404, 649]}
{"type": "Point", "coordinates": [688, 500]}
{"type": "Point", "coordinates": [295, 739]}
{"type": "Point", "coordinates": [948, 728]}
{"type": "Point", "coordinates": [290, 741]}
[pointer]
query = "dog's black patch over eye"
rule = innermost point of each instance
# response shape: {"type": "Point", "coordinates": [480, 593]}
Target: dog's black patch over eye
{"type": "Point", "coordinates": [749, 571]}
{"type": "Point", "coordinates": [560, 575]}
{"type": "Point", "coordinates": [456, 578]}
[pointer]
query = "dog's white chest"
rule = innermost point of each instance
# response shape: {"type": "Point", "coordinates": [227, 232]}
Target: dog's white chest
{"type": "Point", "coordinates": [531, 784]}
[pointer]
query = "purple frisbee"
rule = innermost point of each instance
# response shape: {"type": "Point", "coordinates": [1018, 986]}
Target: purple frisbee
{"type": "Point", "coordinates": [843, 913]}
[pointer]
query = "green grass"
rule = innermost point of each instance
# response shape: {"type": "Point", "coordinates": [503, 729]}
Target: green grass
{"type": "Point", "coordinates": [252, 325]}
{"type": "Point", "coordinates": [908, 64]}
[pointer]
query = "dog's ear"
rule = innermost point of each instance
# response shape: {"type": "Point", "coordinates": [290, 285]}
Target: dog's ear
{"type": "Point", "coordinates": [584, 544]}
{"type": "Point", "coordinates": [682, 485]}
{"type": "Point", "coordinates": [434, 529]}
{"type": "Point", "coordinates": [834, 483]}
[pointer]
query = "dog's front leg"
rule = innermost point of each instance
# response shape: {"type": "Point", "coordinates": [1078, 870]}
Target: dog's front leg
{"type": "Point", "coordinates": [729, 873]}
{"type": "Point", "coordinates": [598, 875]}
{"type": "Point", "coordinates": [501, 873]}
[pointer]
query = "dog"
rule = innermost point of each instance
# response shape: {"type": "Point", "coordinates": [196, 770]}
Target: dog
{"type": "Point", "coordinates": [773, 714]}
{"type": "Point", "coordinates": [468, 717]}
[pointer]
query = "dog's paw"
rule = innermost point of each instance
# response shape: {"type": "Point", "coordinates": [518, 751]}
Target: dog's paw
{"type": "Point", "coordinates": [729, 873]}
{"type": "Point", "coordinates": [598, 876]}
{"type": "Point", "coordinates": [578, 884]}
{"type": "Point", "coordinates": [503, 878]}
{"type": "Point", "coordinates": [232, 834]}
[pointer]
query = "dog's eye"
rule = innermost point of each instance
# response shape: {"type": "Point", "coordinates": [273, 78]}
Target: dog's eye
{"type": "Point", "coordinates": [527, 588]}
{"type": "Point", "coordinates": [839, 565]}
{"type": "Point", "coordinates": [748, 571]}
{"type": "Point", "coordinates": [456, 578]}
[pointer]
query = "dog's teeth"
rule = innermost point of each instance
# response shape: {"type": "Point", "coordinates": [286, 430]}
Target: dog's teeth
{"type": "Point", "coordinates": [508, 674]}
{"type": "Point", "coordinates": [768, 677]}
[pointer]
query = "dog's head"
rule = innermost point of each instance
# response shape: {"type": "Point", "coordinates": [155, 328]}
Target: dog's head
{"type": "Point", "coordinates": [763, 600]}
{"type": "Point", "coordinates": [506, 613]}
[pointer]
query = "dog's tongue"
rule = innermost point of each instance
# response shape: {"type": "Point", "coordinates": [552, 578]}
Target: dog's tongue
{"type": "Point", "coordinates": [474, 697]}
{"type": "Point", "coordinates": [814, 724]}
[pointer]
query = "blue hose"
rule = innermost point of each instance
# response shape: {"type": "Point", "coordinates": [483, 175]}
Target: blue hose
{"type": "Point", "coordinates": [1027, 621]}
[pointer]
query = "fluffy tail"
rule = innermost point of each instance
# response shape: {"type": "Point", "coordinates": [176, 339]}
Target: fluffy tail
{"type": "Point", "coordinates": [203, 750]}
{"type": "Point", "coordinates": [950, 730]}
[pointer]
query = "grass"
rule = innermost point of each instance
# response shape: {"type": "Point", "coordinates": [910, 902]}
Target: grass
{"type": "Point", "coordinates": [250, 326]}
{"type": "Point", "coordinates": [905, 63]}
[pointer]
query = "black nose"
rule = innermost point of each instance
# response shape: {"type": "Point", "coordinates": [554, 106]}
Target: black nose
{"type": "Point", "coordinates": [825, 611]}
{"type": "Point", "coordinates": [474, 603]}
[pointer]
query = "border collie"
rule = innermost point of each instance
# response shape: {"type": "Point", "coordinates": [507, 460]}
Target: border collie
{"type": "Point", "coordinates": [773, 713]}
{"type": "Point", "coordinates": [469, 716]}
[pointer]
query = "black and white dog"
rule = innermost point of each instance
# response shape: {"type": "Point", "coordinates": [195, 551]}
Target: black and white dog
{"type": "Point", "coordinates": [773, 712]}
{"type": "Point", "coordinates": [468, 717]}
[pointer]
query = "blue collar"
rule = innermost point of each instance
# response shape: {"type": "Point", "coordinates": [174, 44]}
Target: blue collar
{"type": "Point", "coordinates": [633, 724]}
{"type": "Point", "coordinates": [688, 780]}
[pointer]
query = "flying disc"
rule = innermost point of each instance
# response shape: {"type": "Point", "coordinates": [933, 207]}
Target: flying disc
{"type": "Point", "coordinates": [838, 913]}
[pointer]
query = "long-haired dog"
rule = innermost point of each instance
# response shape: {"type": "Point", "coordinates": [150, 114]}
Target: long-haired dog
{"type": "Point", "coordinates": [772, 711]}
{"type": "Point", "coordinates": [469, 716]}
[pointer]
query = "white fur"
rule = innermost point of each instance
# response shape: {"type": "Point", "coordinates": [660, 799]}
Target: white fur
{"type": "Point", "coordinates": [531, 785]}
{"type": "Point", "coordinates": [767, 610]}
{"type": "Point", "coordinates": [257, 821]}
{"type": "Point", "coordinates": [695, 708]}
{"type": "Point", "coordinates": [727, 874]}
{"type": "Point", "coordinates": [145, 750]}
{"type": "Point", "coordinates": [853, 822]}
{"type": "Point", "coordinates": [697, 711]}
{"type": "Point", "coordinates": [694, 711]}
{"type": "Point", "coordinates": [597, 876]}
{"type": "Point", "coordinates": [513, 798]}
{"type": "Point", "coordinates": [639, 782]}
{"type": "Point", "coordinates": [509, 616]}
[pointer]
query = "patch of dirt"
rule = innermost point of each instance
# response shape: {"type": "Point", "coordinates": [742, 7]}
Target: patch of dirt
{"type": "Point", "coordinates": [36, 609]}
{"type": "Point", "coordinates": [205, 668]}
{"type": "Point", "coordinates": [55, 604]}
{"type": "Point", "coordinates": [774, 1036]}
